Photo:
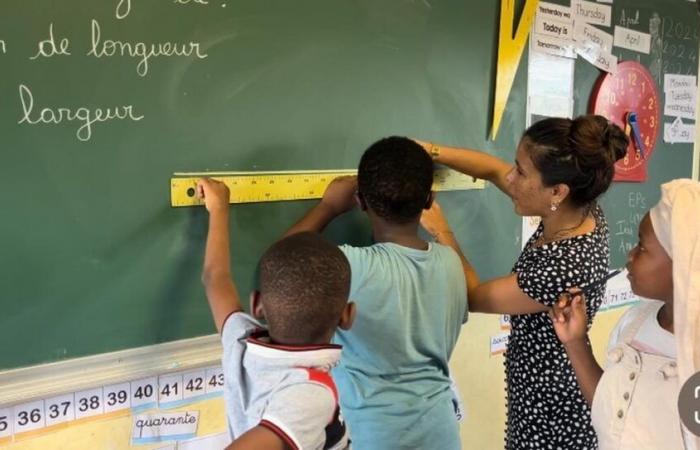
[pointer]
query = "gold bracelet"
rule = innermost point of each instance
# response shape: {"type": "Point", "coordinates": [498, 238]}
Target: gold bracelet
{"type": "Point", "coordinates": [434, 151]}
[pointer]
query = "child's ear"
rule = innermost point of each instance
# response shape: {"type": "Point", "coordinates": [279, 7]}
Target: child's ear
{"type": "Point", "coordinates": [431, 199]}
{"type": "Point", "coordinates": [360, 201]}
{"type": "Point", "coordinates": [347, 317]}
{"type": "Point", "coordinates": [256, 306]}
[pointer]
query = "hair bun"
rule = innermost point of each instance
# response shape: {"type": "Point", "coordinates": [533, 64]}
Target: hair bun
{"type": "Point", "coordinates": [616, 141]}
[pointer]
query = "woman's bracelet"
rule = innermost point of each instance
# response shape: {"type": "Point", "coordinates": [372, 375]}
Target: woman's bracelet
{"type": "Point", "coordinates": [434, 151]}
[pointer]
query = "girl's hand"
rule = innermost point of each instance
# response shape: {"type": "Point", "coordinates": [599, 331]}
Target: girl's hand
{"type": "Point", "coordinates": [568, 316]}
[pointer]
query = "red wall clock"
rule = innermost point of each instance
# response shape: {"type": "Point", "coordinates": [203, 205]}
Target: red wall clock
{"type": "Point", "coordinates": [629, 99]}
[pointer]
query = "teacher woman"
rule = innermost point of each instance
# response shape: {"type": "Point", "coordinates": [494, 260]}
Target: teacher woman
{"type": "Point", "coordinates": [561, 168]}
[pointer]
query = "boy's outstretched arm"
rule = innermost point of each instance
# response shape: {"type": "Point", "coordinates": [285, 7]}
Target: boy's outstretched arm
{"type": "Point", "coordinates": [216, 275]}
{"type": "Point", "coordinates": [435, 223]}
{"type": "Point", "coordinates": [338, 198]}
{"type": "Point", "coordinates": [569, 320]}
{"type": "Point", "coordinates": [258, 438]}
{"type": "Point", "coordinates": [498, 296]}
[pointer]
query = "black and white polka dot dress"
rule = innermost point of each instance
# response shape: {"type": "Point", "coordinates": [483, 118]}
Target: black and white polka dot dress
{"type": "Point", "coordinates": [546, 409]}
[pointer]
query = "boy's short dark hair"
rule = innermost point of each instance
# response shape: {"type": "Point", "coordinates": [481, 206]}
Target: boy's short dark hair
{"type": "Point", "coordinates": [304, 287]}
{"type": "Point", "coordinates": [395, 178]}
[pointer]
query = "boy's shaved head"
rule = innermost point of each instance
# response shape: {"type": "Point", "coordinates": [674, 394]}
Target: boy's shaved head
{"type": "Point", "coordinates": [395, 178]}
{"type": "Point", "coordinates": [304, 287]}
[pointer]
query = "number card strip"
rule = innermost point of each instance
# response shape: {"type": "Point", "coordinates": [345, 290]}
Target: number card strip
{"type": "Point", "coordinates": [144, 393]}
{"type": "Point", "coordinates": [60, 409]}
{"type": "Point", "coordinates": [89, 403]}
{"type": "Point", "coordinates": [167, 391]}
{"type": "Point", "coordinates": [29, 416]}
{"type": "Point", "coordinates": [117, 397]}
{"type": "Point", "coordinates": [170, 390]}
{"type": "Point", "coordinates": [5, 423]}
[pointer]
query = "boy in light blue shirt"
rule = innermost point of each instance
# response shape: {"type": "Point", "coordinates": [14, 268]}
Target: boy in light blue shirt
{"type": "Point", "coordinates": [393, 378]}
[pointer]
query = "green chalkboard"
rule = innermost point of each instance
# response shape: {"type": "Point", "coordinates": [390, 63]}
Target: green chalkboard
{"type": "Point", "coordinates": [93, 258]}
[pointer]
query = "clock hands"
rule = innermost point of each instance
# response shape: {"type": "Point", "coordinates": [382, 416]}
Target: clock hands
{"type": "Point", "coordinates": [636, 134]}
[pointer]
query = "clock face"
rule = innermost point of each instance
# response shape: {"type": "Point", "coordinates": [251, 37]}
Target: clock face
{"type": "Point", "coordinates": [630, 90]}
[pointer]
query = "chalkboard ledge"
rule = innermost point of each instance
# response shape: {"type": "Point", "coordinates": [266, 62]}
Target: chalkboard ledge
{"type": "Point", "coordinates": [47, 380]}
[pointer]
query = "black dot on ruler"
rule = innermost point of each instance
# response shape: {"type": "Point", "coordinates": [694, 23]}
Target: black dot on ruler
{"type": "Point", "coordinates": [190, 192]}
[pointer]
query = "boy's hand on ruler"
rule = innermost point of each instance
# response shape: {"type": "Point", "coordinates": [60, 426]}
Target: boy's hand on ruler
{"type": "Point", "coordinates": [434, 221]}
{"type": "Point", "coordinates": [568, 316]}
{"type": "Point", "coordinates": [340, 195]}
{"type": "Point", "coordinates": [215, 194]}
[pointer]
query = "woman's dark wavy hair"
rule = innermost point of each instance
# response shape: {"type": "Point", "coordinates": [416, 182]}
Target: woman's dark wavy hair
{"type": "Point", "coordinates": [580, 153]}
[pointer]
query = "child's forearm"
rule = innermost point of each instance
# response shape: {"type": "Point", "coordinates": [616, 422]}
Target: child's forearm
{"type": "Point", "coordinates": [216, 276]}
{"type": "Point", "coordinates": [315, 220]}
{"type": "Point", "coordinates": [586, 368]}
{"type": "Point", "coordinates": [448, 238]}
{"type": "Point", "coordinates": [217, 257]}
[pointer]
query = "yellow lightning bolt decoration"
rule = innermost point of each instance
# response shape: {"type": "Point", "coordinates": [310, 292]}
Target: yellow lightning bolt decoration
{"type": "Point", "coordinates": [510, 50]}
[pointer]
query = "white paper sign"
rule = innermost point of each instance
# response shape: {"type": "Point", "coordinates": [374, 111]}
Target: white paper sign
{"type": "Point", "coordinates": [29, 416]}
{"type": "Point", "coordinates": [554, 11]}
{"type": "Point", "coordinates": [505, 322]}
{"type": "Point", "coordinates": [545, 26]}
{"type": "Point", "coordinates": [499, 343]}
{"type": "Point", "coordinates": [674, 81]}
{"type": "Point", "coordinates": [5, 422]}
{"type": "Point", "coordinates": [164, 426]}
{"type": "Point", "coordinates": [679, 132]}
{"type": "Point", "coordinates": [591, 12]}
{"type": "Point", "coordinates": [553, 46]}
{"type": "Point", "coordinates": [171, 447]}
{"type": "Point", "coordinates": [169, 388]}
{"type": "Point", "coordinates": [586, 32]}
{"type": "Point", "coordinates": [530, 224]}
{"type": "Point", "coordinates": [117, 397]}
{"type": "Point", "coordinates": [89, 403]}
{"type": "Point", "coordinates": [618, 292]}
{"type": "Point", "coordinates": [682, 96]}
{"type": "Point", "coordinates": [597, 56]}
{"type": "Point", "coordinates": [686, 111]}
{"type": "Point", "coordinates": [144, 392]}
{"type": "Point", "coordinates": [194, 383]}
{"type": "Point", "coordinates": [60, 409]}
{"type": "Point", "coordinates": [215, 380]}
{"type": "Point", "coordinates": [213, 442]}
{"type": "Point", "coordinates": [632, 40]}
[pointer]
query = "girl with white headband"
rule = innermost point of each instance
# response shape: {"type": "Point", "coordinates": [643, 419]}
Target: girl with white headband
{"type": "Point", "coordinates": [655, 346]}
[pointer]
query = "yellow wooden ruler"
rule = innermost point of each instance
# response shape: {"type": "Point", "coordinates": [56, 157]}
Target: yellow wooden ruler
{"type": "Point", "coordinates": [254, 187]}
